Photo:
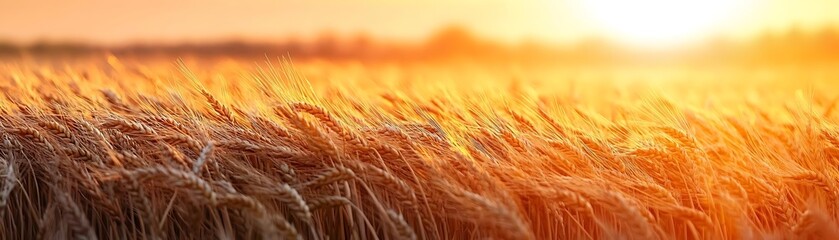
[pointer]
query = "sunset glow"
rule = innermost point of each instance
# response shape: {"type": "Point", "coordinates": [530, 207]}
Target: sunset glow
{"type": "Point", "coordinates": [566, 21]}
{"type": "Point", "coordinates": [657, 22]}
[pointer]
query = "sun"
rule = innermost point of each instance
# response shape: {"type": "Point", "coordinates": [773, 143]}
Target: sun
{"type": "Point", "coordinates": [659, 22]}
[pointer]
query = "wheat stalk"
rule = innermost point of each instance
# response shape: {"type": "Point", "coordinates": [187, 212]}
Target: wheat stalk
{"type": "Point", "coordinates": [9, 183]}
{"type": "Point", "coordinates": [332, 175]}
{"type": "Point", "coordinates": [218, 107]}
{"type": "Point", "coordinates": [327, 202]}
{"type": "Point", "coordinates": [403, 229]}
{"type": "Point", "coordinates": [58, 130]}
{"type": "Point", "coordinates": [295, 202]}
{"type": "Point", "coordinates": [203, 157]}
{"type": "Point", "coordinates": [178, 179]}
{"type": "Point", "coordinates": [74, 217]}
{"type": "Point", "coordinates": [316, 137]}
{"type": "Point", "coordinates": [330, 122]}
{"type": "Point", "coordinates": [129, 127]}
{"type": "Point", "coordinates": [34, 135]}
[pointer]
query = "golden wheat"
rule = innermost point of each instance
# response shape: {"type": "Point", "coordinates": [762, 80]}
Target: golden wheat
{"type": "Point", "coordinates": [92, 151]}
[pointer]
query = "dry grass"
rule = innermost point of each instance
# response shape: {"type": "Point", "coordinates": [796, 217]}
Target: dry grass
{"type": "Point", "coordinates": [224, 150]}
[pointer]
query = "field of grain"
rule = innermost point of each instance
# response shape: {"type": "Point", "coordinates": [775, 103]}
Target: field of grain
{"type": "Point", "coordinates": [111, 148]}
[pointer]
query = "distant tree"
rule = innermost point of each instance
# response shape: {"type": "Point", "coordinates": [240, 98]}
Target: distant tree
{"type": "Point", "coordinates": [361, 46]}
{"type": "Point", "coordinates": [327, 45]}
{"type": "Point", "coordinates": [7, 49]}
{"type": "Point", "coordinates": [452, 40]}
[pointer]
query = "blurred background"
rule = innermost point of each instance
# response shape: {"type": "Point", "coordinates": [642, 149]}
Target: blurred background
{"type": "Point", "coordinates": [558, 31]}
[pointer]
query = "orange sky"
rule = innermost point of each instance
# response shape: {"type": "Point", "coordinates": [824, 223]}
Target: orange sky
{"type": "Point", "coordinates": [122, 21]}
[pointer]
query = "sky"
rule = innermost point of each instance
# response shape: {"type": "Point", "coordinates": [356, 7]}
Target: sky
{"type": "Point", "coordinates": [131, 21]}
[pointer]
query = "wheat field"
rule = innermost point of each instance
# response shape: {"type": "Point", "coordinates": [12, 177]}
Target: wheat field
{"type": "Point", "coordinates": [111, 148]}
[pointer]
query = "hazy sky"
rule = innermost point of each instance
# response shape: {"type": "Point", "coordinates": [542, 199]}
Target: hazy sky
{"type": "Point", "coordinates": [121, 21]}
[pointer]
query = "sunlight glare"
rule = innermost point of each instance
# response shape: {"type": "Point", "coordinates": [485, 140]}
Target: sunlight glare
{"type": "Point", "coordinates": [659, 22]}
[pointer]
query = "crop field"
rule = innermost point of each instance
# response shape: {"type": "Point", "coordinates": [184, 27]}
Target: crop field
{"type": "Point", "coordinates": [132, 148]}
